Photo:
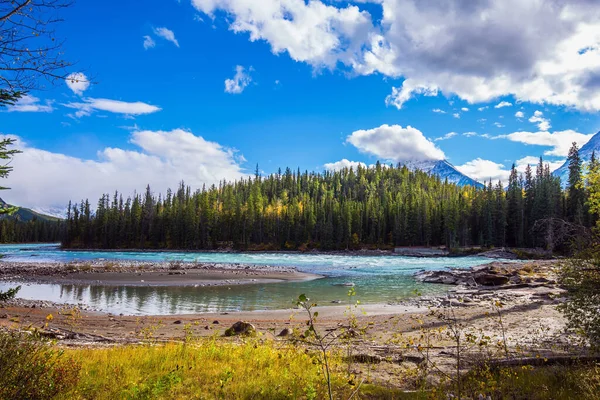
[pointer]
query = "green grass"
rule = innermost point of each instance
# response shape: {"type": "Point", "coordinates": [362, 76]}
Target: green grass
{"type": "Point", "coordinates": [213, 368]}
{"type": "Point", "coordinates": [203, 369]}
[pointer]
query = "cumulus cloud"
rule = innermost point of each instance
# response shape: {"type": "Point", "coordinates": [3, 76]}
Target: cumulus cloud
{"type": "Point", "coordinates": [90, 105]}
{"type": "Point", "coordinates": [542, 123]}
{"type": "Point", "coordinates": [522, 163]}
{"type": "Point", "coordinates": [44, 179]}
{"type": "Point", "coordinates": [464, 109]}
{"type": "Point", "coordinates": [519, 114]}
{"type": "Point", "coordinates": [478, 51]}
{"type": "Point", "coordinates": [149, 43]}
{"type": "Point", "coordinates": [240, 81]}
{"type": "Point", "coordinates": [395, 143]}
{"type": "Point", "coordinates": [484, 170]}
{"type": "Point", "coordinates": [342, 164]}
{"type": "Point", "coordinates": [312, 32]}
{"type": "Point", "coordinates": [470, 134]}
{"type": "Point", "coordinates": [401, 95]}
{"type": "Point", "coordinates": [166, 34]}
{"type": "Point", "coordinates": [77, 82]}
{"type": "Point", "coordinates": [447, 136]}
{"type": "Point", "coordinates": [29, 103]}
{"type": "Point", "coordinates": [438, 111]}
{"type": "Point", "coordinates": [503, 104]}
{"type": "Point", "coordinates": [560, 141]}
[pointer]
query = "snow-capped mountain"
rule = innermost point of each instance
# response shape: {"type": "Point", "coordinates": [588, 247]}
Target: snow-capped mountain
{"type": "Point", "coordinates": [585, 153]}
{"type": "Point", "coordinates": [56, 212]}
{"type": "Point", "coordinates": [444, 170]}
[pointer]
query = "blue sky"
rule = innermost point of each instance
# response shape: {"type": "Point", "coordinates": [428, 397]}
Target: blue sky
{"type": "Point", "coordinates": [204, 90]}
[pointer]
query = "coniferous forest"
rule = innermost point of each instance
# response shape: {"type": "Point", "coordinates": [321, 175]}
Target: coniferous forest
{"type": "Point", "coordinates": [376, 207]}
{"type": "Point", "coordinates": [34, 231]}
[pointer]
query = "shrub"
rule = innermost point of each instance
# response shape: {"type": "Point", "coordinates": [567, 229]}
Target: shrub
{"type": "Point", "coordinates": [9, 294]}
{"type": "Point", "coordinates": [31, 369]}
{"type": "Point", "coordinates": [581, 278]}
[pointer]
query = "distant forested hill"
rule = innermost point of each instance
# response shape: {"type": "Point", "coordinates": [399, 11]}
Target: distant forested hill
{"type": "Point", "coordinates": [22, 225]}
{"type": "Point", "coordinates": [378, 207]}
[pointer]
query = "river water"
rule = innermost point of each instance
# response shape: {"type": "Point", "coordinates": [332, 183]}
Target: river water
{"type": "Point", "coordinates": [376, 279]}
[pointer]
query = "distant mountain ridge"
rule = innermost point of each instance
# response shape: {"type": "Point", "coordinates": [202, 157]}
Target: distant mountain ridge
{"type": "Point", "coordinates": [22, 214]}
{"type": "Point", "coordinates": [444, 170]}
{"type": "Point", "coordinates": [585, 153]}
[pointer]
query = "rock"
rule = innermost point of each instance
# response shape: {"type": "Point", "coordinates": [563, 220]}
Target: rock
{"type": "Point", "coordinates": [499, 253]}
{"type": "Point", "coordinates": [365, 358]}
{"type": "Point", "coordinates": [241, 328]}
{"type": "Point", "coordinates": [285, 332]}
{"type": "Point", "coordinates": [178, 322]}
{"type": "Point", "coordinates": [491, 279]}
{"type": "Point", "coordinates": [215, 322]}
{"type": "Point", "coordinates": [4, 316]}
{"type": "Point", "coordinates": [443, 277]}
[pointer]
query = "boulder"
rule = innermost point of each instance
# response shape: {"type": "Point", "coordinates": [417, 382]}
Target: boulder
{"type": "Point", "coordinates": [241, 328]}
{"type": "Point", "coordinates": [285, 332]}
{"type": "Point", "coordinates": [491, 280]}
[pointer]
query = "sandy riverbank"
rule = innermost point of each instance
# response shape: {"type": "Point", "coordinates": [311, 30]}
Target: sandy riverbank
{"type": "Point", "coordinates": [129, 273]}
{"type": "Point", "coordinates": [522, 313]}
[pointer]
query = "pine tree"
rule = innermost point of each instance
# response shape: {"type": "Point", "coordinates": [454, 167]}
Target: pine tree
{"type": "Point", "coordinates": [575, 188]}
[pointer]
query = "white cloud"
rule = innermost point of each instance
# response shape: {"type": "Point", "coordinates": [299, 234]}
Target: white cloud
{"type": "Point", "coordinates": [29, 103]}
{"type": "Point", "coordinates": [560, 141]}
{"type": "Point", "coordinates": [477, 51]}
{"type": "Point", "coordinates": [89, 105]}
{"type": "Point", "coordinates": [483, 108]}
{"type": "Point", "coordinates": [519, 114]}
{"type": "Point", "coordinates": [407, 92]}
{"type": "Point", "coordinates": [498, 125]}
{"type": "Point", "coordinates": [240, 81]}
{"type": "Point", "coordinates": [484, 170]}
{"type": "Point", "coordinates": [522, 163]}
{"type": "Point", "coordinates": [166, 34]}
{"type": "Point", "coordinates": [456, 115]}
{"type": "Point", "coordinates": [149, 43]}
{"type": "Point", "coordinates": [543, 123]}
{"type": "Point", "coordinates": [464, 109]}
{"type": "Point", "coordinates": [447, 136]}
{"type": "Point", "coordinates": [77, 82]}
{"type": "Point", "coordinates": [45, 179]}
{"type": "Point", "coordinates": [503, 104]}
{"type": "Point", "coordinates": [395, 143]}
{"type": "Point", "coordinates": [470, 134]}
{"type": "Point", "coordinates": [438, 111]}
{"type": "Point", "coordinates": [311, 32]}
{"type": "Point", "coordinates": [342, 164]}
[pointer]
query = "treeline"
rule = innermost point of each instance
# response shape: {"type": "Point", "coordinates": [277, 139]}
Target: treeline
{"type": "Point", "coordinates": [34, 231]}
{"type": "Point", "coordinates": [380, 207]}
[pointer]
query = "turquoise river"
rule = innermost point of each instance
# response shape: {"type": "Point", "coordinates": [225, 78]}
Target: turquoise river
{"type": "Point", "coordinates": [377, 279]}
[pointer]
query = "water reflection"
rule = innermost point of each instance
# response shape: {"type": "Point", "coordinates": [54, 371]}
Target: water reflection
{"type": "Point", "coordinates": [184, 300]}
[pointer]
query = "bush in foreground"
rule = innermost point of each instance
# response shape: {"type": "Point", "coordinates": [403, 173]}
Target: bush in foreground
{"type": "Point", "coordinates": [30, 368]}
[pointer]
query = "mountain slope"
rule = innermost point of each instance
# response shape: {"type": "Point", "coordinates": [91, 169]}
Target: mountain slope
{"type": "Point", "coordinates": [444, 170]}
{"type": "Point", "coordinates": [585, 153]}
{"type": "Point", "coordinates": [22, 214]}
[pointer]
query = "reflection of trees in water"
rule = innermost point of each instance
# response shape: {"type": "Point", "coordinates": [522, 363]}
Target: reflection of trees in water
{"type": "Point", "coordinates": [187, 299]}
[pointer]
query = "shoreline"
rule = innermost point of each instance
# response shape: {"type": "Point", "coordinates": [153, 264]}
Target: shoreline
{"type": "Point", "coordinates": [139, 273]}
{"type": "Point", "coordinates": [401, 251]}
